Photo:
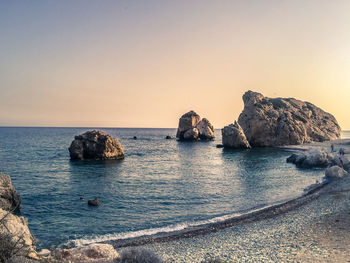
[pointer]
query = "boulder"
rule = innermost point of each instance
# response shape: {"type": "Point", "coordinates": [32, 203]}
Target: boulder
{"type": "Point", "coordinates": [94, 202]}
{"type": "Point", "coordinates": [335, 172]}
{"type": "Point", "coordinates": [95, 145]}
{"type": "Point", "coordinates": [168, 137]}
{"type": "Point", "coordinates": [192, 127]}
{"type": "Point", "coordinates": [205, 130]}
{"type": "Point", "coordinates": [90, 253]}
{"type": "Point", "coordinates": [285, 121]}
{"type": "Point", "coordinates": [311, 159]}
{"type": "Point", "coordinates": [9, 198]}
{"type": "Point", "coordinates": [233, 137]}
{"type": "Point", "coordinates": [188, 121]}
{"type": "Point", "coordinates": [16, 230]}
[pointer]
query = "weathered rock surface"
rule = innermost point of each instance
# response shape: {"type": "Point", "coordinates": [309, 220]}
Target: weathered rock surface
{"type": "Point", "coordinates": [233, 137]}
{"type": "Point", "coordinates": [94, 202]}
{"type": "Point", "coordinates": [310, 159]}
{"type": "Point", "coordinates": [205, 129]}
{"type": "Point", "coordinates": [191, 127]}
{"type": "Point", "coordinates": [95, 145]}
{"type": "Point", "coordinates": [90, 253]}
{"type": "Point", "coordinates": [284, 121]}
{"type": "Point", "coordinates": [335, 172]}
{"type": "Point", "coordinates": [9, 198]}
{"type": "Point", "coordinates": [17, 229]}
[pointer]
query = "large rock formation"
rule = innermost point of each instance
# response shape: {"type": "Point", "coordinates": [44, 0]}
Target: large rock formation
{"type": "Point", "coordinates": [312, 158]}
{"type": "Point", "coordinates": [9, 198]}
{"type": "Point", "coordinates": [284, 121]}
{"type": "Point", "coordinates": [16, 231]}
{"type": "Point", "coordinates": [95, 145]}
{"type": "Point", "coordinates": [191, 127]}
{"type": "Point", "coordinates": [233, 137]}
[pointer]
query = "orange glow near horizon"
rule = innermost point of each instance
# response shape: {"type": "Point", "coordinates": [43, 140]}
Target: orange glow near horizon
{"type": "Point", "coordinates": [121, 64]}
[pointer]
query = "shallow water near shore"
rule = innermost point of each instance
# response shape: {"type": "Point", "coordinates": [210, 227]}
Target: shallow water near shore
{"type": "Point", "coordinates": [161, 185]}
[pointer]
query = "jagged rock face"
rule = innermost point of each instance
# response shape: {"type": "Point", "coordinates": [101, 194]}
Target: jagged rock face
{"type": "Point", "coordinates": [234, 137]}
{"type": "Point", "coordinates": [191, 127]}
{"type": "Point", "coordinates": [95, 145]}
{"type": "Point", "coordinates": [9, 198]}
{"type": "Point", "coordinates": [284, 121]}
{"type": "Point", "coordinates": [205, 130]}
{"type": "Point", "coordinates": [17, 228]}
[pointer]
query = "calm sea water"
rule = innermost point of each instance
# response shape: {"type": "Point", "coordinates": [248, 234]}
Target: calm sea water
{"type": "Point", "coordinates": [161, 184]}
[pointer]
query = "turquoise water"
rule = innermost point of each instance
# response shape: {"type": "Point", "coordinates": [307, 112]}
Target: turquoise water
{"type": "Point", "coordinates": [161, 185]}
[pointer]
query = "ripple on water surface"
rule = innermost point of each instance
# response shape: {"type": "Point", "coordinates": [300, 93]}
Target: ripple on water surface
{"type": "Point", "coordinates": [160, 183]}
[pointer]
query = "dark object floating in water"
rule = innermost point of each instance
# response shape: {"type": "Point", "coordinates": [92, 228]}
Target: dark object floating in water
{"type": "Point", "coordinates": [168, 137]}
{"type": "Point", "coordinates": [95, 145]}
{"type": "Point", "coordinates": [135, 138]}
{"type": "Point", "coordinates": [81, 198]}
{"type": "Point", "coordinates": [219, 146]}
{"type": "Point", "coordinates": [94, 202]}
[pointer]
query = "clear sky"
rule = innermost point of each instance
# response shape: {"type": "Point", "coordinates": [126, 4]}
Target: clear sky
{"type": "Point", "coordinates": [145, 63]}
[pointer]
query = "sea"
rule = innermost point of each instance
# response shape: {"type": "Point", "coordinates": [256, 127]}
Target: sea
{"type": "Point", "coordinates": [161, 186]}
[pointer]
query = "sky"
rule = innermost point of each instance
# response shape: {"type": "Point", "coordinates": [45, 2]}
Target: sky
{"type": "Point", "coordinates": [145, 63]}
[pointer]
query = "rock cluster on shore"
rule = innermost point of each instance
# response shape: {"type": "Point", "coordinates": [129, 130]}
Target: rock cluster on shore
{"type": "Point", "coordinates": [282, 121]}
{"type": "Point", "coordinates": [95, 145]}
{"type": "Point", "coordinates": [14, 227]}
{"type": "Point", "coordinates": [192, 127]}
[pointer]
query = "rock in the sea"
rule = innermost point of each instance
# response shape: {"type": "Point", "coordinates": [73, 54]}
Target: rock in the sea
{"type": "Point", "coordinates": [233, 137]}
{"type": "Point", "coordinates": [94, 202]}
{"type": "Point", "coordinates": [90, 253]}
{"type": "Point", "coordinates": [205, 130]}
{"type": "Point", "coordinates": [168, 137]}
{"type": "Point", "coordinates": [312, 158]}
{"type": "Point", "coordinates": [16, 227]}
{"type": "Point", "coordinates": [191, 128]}
{"type": "Point", "coordinates": [95, 145]}
{"type": "Point", "coordinates": [284, 121]}
{"type": "Point", "coordinates": [335, 172]}
{"type": "Point", "coordinates": [9, 198]}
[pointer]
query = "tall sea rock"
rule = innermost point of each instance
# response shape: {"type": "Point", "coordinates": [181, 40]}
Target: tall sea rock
{"type": "Point", "coordinates": [192, 127]}
{"type": "Point", "coordinates": [285, 121]}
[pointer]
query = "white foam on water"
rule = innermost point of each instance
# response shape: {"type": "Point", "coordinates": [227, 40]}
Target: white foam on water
{"type": "Point", "coordinates": [168, 229]}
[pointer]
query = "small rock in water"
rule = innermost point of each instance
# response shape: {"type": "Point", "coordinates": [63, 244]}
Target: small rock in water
{"type": "Point", "coordinates": [168, 137]}
{"type": "Point", "coordinates": [219, 146]}
{"type": "Point", "coordinates": [94, 202]}
{"type": "Point", "coordinates": [135, 138]}
{"type": "Point", "coordinates": [81, 198]}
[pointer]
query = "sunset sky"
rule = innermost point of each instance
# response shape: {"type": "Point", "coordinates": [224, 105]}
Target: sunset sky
{"type": "Point", "coordinates": [145, 63]}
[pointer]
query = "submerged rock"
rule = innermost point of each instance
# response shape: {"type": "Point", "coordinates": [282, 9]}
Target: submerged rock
{"type": "Point", "coordinates": [233, 137]}
{"type": "Point", "coordinates": [94, 202]}
{"type": "Point", "coordinates": [284, 121]}
{"type": "Point", "coordinates": [335, 172]}
{"type": "Point", "coordinates": [191, 128]}
{"type": "Point", "coordinates": [95, 145]}
{"type": "Point", "coordinates": [9, 198]}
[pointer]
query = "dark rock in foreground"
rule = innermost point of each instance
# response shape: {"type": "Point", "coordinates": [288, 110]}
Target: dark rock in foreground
{"type": "Point", "coordinates": [9, 198]}
{"type": "Point", "coordinates": [95, 145]}
{"type": "Point", "coordinates": [233, 137]}
{"type": "Point", "coordinates": [191, 128]}
{"type": "Point", "coordinates": [284, 121]}
{"type": "Point", "coordinates": [94, 202]}
{"type": "Point", "coordinates": [168, 137]}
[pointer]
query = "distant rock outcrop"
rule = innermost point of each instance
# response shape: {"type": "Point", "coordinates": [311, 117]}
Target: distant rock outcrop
{"type": "Point", "coordinates": [233, 137]}
{"type": "Point", "coordinates": [95, 145]}
{"type": "Point", "coordinates": [311, 159]}
{"type": "Point", "coordinates": [284, 121]}
{"type": "Point", "coordinates": [9, 198]}
{"type": "Point", "coordinates": [191, 127]}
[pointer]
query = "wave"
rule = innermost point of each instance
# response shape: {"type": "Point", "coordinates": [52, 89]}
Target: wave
{"type": "Point", "coordinates": [189, 229]}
